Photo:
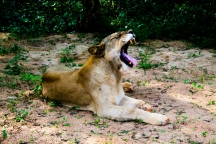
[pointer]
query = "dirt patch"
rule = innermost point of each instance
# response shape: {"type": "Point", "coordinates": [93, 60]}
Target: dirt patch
{"type": "Point", "coordinates": [182, 87]}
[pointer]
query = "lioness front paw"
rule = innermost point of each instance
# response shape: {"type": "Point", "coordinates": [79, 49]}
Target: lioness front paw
{"type": "Point", "coordinates": [158, 119]}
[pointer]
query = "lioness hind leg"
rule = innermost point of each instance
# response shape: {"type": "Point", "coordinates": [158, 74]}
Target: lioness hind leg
{"type": "Point", "coordinates": [122, 113]}
{"type": "Point", "coordinates": [134, 103]}
{"type": "Point", "coordinates": [128, 87]}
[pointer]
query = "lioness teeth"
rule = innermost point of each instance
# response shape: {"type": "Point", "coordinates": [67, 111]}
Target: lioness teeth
{"type": "Point", "coordinates": [132, 41]}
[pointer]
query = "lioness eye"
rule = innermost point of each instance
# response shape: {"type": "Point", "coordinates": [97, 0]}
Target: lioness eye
{"type": "Point", "coordinates": [119, 34]}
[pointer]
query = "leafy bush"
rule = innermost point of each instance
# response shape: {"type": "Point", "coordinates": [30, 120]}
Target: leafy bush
{"type": "Point", "coordinates": [153, 19]}
{"type": "Point", "coordinates": [39, 17]}
{"type": "Point", "coordinates": [150, 19]}
{"type": "Point", "coordinates": [12, 49]}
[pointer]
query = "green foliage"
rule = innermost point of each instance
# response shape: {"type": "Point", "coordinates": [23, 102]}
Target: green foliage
{"type": "Point", "coordinates": [195, 85]}
{"type": "Point", "coordinates": [67, 124]}
{"type": "Point", "coordinates": [184, 119]}
{"type": "Point", "coordinates": [192, 20]}
{"type": "Point", "coordinates": [55, 104]}
{"type": "Point", "coordinates": [12, 49]}
{"type": "Point", "coordinates": [37, 89]}
{"type": "Point", "coordinates": [65, 53]}
{"type": "Point", "coordinates": [39, 17]}
{"type": "Point", "coordinates": [4, 132]}
{"type": "Point", "coordinates": [125, 131]}
{"type": "Point", "coordinates": [75, 107]}
{"type": "Point", "coordinates": [211, 102]}
{"type": "Point", "coordinates": [194, 55]}
{"type": "Point", "coordinates": [14, 67]}
{"type": "Point", "coordinates": [189, 20]}
{"type": "Point", "coordinates": [8, 81]}
{"type": "Point", "coordinates": [22, 113]}
{"type": "Point", "coordinates": [145, 64]}
{"type": "Point", "coordinates": [11, 105]}
{"type": "Point", "coordinates": [30, 78]}
{"type": "Point", "coordinates": [64, 118]}
{"type": "Point", "coordinates": [97, 122]}
{"type": "Point", "coordinates": [204, 134]}
{"type": "Point", "coordinates": [65, 59]}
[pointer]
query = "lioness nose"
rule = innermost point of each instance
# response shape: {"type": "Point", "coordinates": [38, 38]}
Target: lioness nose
{"type": "Point", "coordinates": [131, 31]}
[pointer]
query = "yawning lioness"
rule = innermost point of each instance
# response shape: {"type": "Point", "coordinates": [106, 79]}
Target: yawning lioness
{"type": "Point", "coordinates": [97, 85]}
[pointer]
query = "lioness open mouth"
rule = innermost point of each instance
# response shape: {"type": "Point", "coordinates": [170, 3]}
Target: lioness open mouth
{"type": "Point", "coordinates": [128, 60]}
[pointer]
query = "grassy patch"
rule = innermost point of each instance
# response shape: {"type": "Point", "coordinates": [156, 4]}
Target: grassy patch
{"type": "Point", "coordinates": [21, 114]}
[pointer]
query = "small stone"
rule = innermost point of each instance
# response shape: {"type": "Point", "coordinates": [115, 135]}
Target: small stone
{"type": "Point", "coordinates": [168, 108]}
{"type": "Point", "coordinates": [1, 122]}
{"type": "Point", "coordinates": [155, 136]}
{"type": "Point", "coordinates": [147, 134]}
{"type": "Point", "coordinates": [164, 91]}
{"type": "Point", "coordinates": [36, 124]}
{"type": "Point", "coordinates": [207, 118]}
{"type": "Point", "coordinates": [12, 97]}
{"type": "Point", "coordinates": [28, 93]}
{"type": "Point", "coordinates": [64, 140]}
{"type": "Point", "coordinates": [171, 126]}
{"type": "Point", "coordinates": [137, 136]}
{"type": "Point", "coordinates": [181, 126]}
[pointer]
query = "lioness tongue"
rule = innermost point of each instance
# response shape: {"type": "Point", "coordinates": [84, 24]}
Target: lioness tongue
{"type": "Point", "coordinates": [133, 60]}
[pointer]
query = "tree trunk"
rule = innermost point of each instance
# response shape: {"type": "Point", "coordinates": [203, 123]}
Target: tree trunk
{"type": "Point", "coordinates": [91, 16]}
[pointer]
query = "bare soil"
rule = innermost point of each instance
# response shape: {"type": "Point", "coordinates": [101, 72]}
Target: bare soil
{"type": "Point", "coordinates": [183, 87]}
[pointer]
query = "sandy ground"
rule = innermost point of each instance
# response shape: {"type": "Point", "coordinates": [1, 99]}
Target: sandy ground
{"type": "Point", "coordinates": [183, 88]}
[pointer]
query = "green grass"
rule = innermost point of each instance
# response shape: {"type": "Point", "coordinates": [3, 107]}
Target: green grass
{"type": "Point", "coordinates": [14, 67]}
{"type": "Point", "coordinates": [4, 132]}
{"type": "Point", "coordinates": [55, 104]}
{"type": "Point", "coordinates": [212, 102]}
{"type": "Point", "coordinates": [66, 56]}
{"type": "Point", "coordinates": [11, 49]}
{"type": "Point", "coordinates": [145, 63]}
{"type": "Point", "coordinates": [30, 78]}
{"type": "Point", "coordinates": [11, 105]}
{"type": "Point", "coordinates": [9, 81]}
{"type": "Point", "coordinates": [22, 114]}
{"type": "Point", "coordinates": [97, 122]}
{"type": "Point", "coordinates": [194, 55]}
{"type": "Point", "coordinates": [65, 59]}
{"type": "Point", "coordinates": [195, 85]}
{"type": "Point", "coordinates": [204, 134]}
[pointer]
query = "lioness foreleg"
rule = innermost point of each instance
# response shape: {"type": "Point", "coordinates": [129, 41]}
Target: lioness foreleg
{"type": "Point", "coordinates": [122, 113]}
{"type": "Point", "coordinates": [134, 103]}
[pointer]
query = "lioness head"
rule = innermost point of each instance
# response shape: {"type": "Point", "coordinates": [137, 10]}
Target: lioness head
{"type": "Point", "coordinates": [114, 48]}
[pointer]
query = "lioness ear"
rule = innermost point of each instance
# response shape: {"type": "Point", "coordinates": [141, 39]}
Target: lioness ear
{"type": "Point", "coordinates": [97, 50]}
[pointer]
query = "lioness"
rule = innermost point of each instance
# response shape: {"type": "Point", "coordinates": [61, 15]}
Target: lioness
{"type": "Point", "coordinates": [97, 85]}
